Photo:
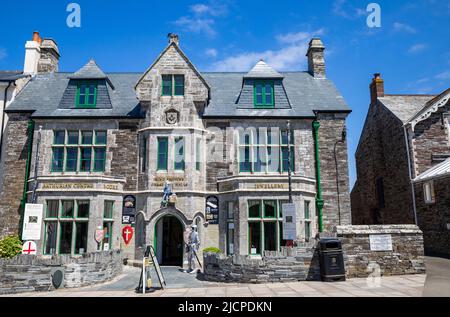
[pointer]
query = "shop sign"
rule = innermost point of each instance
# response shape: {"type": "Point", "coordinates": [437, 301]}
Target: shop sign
{"type": "Point", "coordinates": [270, 186]}
{"type": "Point", "coordinates": [129, 210]}
{"type": "Point", "coordinates": [127, 234]}
{"type": "Point", "coordinates": [32, 222]}
{"type": "Point", "coordinates": [212, 210]}
{"type": "Point", "coordinates": [29, 248]}
{"type": "Point", "coordinates": [381, 242]}
{"type": "Point", "coordinates": [289, 222]}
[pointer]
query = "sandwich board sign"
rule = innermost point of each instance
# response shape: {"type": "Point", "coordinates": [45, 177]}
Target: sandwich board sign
{"type": "Point", "coordinates": [32, 223]}
{"type": "Point", "coordinates": [289, 222]}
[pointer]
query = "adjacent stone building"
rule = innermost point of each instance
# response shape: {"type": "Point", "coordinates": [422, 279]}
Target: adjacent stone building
{"type": "Point", "coordinates": [98, 144]}
{"type": "Point", "coordinates": [404, 138]}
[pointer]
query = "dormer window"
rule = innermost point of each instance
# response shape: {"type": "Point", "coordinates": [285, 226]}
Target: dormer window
{"type": "Point", "coordinates": [264, 94]}
{"type": "Point", "coordinates": [86, 95]}
{"type": "Point", "coordinates": [173, 85]}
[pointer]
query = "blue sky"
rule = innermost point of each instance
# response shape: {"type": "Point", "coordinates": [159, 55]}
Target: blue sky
{"type": "Point", "coordinates": [411, 49]}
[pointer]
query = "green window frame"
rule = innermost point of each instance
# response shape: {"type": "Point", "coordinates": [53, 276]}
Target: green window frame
{"type": "Point", "coordinates": [163, 148]}
{"type": "Point", "coordinates": [179, 157]}
{"type": "Point", "coordinates": [99, 159]}
{"type": "Point", "coordinates": [86, 94]}
{"type": "Point", "coordinates": [263, 94]}
{"type": "Point", "coordinates": [172, 85]}
{"type": "Point", "coordinates": [57, 159]}
{"type": "Point", "coordinates": [108, 223]}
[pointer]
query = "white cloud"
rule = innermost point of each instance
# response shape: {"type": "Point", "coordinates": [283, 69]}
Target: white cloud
{"type": "Point", "coordinates": [417, 48]}
{"type": "Point", "coordinates": [289, 57]}
{"type": "Point", "coordinates": [200, 8]}
{"type": "Point", "coordinates": [445, 75]}
{"type": "Point", "coordinates": [196, 25]}
{"type": "Point", "coordinates": [214, 8]}
{"type": "Point", "coordinates": [345, 10]}
{"type": "Point", "coordinates": [401, 27]}
{"type": "Point", "coordinates": [211, 52]}
{"type": "Point", "coordinates": [3, 53]}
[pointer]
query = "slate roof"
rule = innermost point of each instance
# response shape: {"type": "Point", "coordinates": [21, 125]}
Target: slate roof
{"type": "Point", "coordinates": [440, 170]}
{"type": "Point", "coordinates": [44, 93]}
{"type": "Point", "coordinates": [89, 71]}
{"type": "Point", "coordinates": [262, 70]}
{"type": "Point", "coordinates": [405, 106]}
{"type": "Point", "coordinates": [7, 76]}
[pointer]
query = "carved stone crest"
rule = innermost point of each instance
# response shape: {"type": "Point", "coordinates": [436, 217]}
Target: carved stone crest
{"type": "Point", "coordinates": [172, 116]}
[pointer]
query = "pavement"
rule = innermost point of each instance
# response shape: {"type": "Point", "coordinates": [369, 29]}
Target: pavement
{"type": "Point", "coordinates": [438, 277]}
{"type": "Point", "coordinates": [179, 284]}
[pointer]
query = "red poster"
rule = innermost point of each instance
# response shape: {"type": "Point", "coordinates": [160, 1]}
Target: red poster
{"type": "Point", "coordinates": [127, 234]}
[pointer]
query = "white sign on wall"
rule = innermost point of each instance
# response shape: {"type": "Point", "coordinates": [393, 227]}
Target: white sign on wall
{"type": "Point", "coordinates": [381, 242]}
{"type": "Point", "coordinates": [32, 222]}
{"type": "Point", "coordinates": [289, 222]}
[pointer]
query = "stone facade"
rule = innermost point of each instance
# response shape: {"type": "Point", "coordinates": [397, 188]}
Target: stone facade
{"type": "Point", "coordinates": [434, 218]}
{"type": "Point", "coordinates": [26, 273]}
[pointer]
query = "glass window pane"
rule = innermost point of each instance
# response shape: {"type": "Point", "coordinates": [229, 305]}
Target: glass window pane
{"type": "Point", "coordinates": [82, 100]}
{"type": "Point", "coordinates": [72, 159]}
{"type": "Point", "coordinates": [280, 209]}
{"type": "Point", "coordinates": [179, 154]}
{"type": "Point", "coordinates": [100, 158]}
{"type": "Point", "coordinates": [259, 155]}
{"type": "Point", "coordinates": [255, 237]}
{"type": "Point", "coordinates": [52, 208]}
{"type": "Point", "coordinates": [307, 230]}
{"type": "Point", "coordinates": [73, 137]}
{"type": "Point", "coordinates": [67, 209]}
{"type": "Point", "coordinates": [100, 137]}
{"type": "Point", "coordinates": [86, 137]}
{"type": "Point", "coordinates": [259, 99]}
{"type": "Point", "coordinates": [91, 100]}
{"type": "Point", "coordinates": [91, 89]}
{"type": "Point", "coordinates": [167, 85]}
{"type": "Point", "coordinates": [307, 211]}
{"type": "Point", "coordinates": [85, 165]}
{"type": "Point", "coordinates": [259, 89]}
{"type": "Point", "coordinates": [230, 239]}
{"type": "Point", "coordinates": [270, 209]}
{"type": "Point", "coordinates": [83, 89]}
{"type": "Point", "coordinates": [162, 153]}
{"type": "Point", "coordinates": [107, 240]}
{"type": "Point", "coordinates": [254, 209]}
{"type": "Point", "coordinates": [198, 155]}
{"type": "Point", "coordinates": [270, 236]}
{"type": "Point", "coordinates": [58, 160]}
{"type": "Point", "coordinates": [283, 242]}
{"type": "Point", "coordinates": [60, 137]}
{"type": "Point", "coordinates": [230, 213]}
{"type": "Point", "coordinates": [51, 237]}
{"type": "Point", "coordinates": [244, 159]}
{"type": "Point", "coordinates": [81, 237]}
{"type": "Point", "coordinates": [273, 159]}
{"type": "Point", "coordinates": [83, 209]}
{"type": "Point", "coordinates": [179, 85]}
{"type": "Point", "coordinates": [65, 242]}
{"type": "Point", "coordinates": [109, 210]}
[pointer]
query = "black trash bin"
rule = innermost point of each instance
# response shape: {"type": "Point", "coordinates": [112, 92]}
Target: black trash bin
{"type": "Point", "coordinates": [332, 267]}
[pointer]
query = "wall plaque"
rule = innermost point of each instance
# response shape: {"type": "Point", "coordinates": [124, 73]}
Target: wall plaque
{"type": "Point", "coordinates": [129, 210]}
{"type": "Point", "coordinates": [32, 222]}
{"type": "Point", "coordinates": [381, 242]}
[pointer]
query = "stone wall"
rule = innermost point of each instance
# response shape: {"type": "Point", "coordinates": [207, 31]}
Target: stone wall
{"type": "Point", "coordinates": [434, 218]}
{"type": "Point", "coordinates": [407, 256]}
{"type": "Point", "coordinates": [381, 155]}
{"type": "Point", "coordinates": [289, 265]}
{"type": "Point", "coordinates": [15, 154]}
{"type": "Point", "coordinates": [331, 127]}
{"type": "Point", "coordinates": [26, 273]}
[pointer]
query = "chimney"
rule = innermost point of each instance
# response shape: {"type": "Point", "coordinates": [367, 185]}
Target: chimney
{"type": "Point", "coordinates": [32, 54]}
{"type": "Point", "coordinates": [376, 88]}
{"type": "Point", "coordinates": [173, 38]}
{"type": "Point", "coordinates": [316, 61]}
{"type": "Point", "coordinates": [49, 59]}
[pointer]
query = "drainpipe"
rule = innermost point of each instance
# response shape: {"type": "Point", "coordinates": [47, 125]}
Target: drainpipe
{"type": "Point", "coordinates": [413, 191]}
{"type": "Point", "coordinates": [319, 199]}
{"type": "Point", "coordinates": [3, 118]}
{"type": "Point", "coordinates": [342, 140]}
{"type": "Point", "coordinates": [27, 171]}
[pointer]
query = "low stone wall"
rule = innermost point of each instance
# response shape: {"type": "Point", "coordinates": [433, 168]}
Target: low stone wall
{"type": "Point", "coordinates": [26, 273]}
{"type": "Point", "coordinates": [297, 264]}
{"type": "Point", "coordinates": [407, 256]}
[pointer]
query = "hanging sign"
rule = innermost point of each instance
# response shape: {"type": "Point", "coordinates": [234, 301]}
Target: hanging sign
{"type": "Point", "coordinates": [212, 210]}
{"type": "Point", "coordinates": [29, 248]}
{"type": "Point", "coordinates": [129, 210]}
{"type": "Point", "coordinates": [289, 222]}
{"type": "Point", "coordinates": [127, 234]}
{"type": "Point", "coordinates": [32, 222]}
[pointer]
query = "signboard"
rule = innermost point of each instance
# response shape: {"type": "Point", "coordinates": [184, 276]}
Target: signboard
{"type": "Point", "coordinates": [127, 234]}
{"type": "Point", "coordinates": [129, 210]}
{"type": "Point", "coordinates": [289, 222]}
{"type": "Point", "coordinates": [32, 222]}
{"type": "Point", "coordinates": [212, 210]}
{"type": "Point", "coordinates": [29, 248]}
{"type": "Point", "coordinates": [161, 278]}
{"type": "Point", "coordinates": [381, 242]}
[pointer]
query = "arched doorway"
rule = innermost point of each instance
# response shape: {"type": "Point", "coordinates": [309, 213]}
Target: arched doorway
{"type": "Point", "coordinates": [169, 241]}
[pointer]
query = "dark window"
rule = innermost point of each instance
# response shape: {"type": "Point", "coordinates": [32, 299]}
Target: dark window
{"type": "Point", "coordinates": [163, 147]}
{"type": "Point", "coordinates": [65, 243]}
{"type": "Point", "coordinates": [179, 154]}
{"type": "Point", "coordinates": [86, 95]}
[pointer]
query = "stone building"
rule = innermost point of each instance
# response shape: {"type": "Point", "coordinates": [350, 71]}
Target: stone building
{"type": "Point", "coordinates": [404, 138]}
{"type": "Point", "coordinates": [100, 141]}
